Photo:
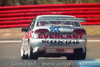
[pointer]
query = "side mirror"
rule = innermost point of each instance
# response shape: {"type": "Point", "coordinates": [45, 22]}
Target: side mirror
{"type": "Point", "coordinates": [24, 29]}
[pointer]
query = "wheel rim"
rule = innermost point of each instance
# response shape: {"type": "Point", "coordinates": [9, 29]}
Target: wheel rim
{"type": "Point", "coordinates": [28, 52]}
{"type": "Point", "coordinates": [22, 52]}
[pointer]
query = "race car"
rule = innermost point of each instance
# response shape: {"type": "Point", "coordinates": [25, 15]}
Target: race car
{"type": "Point", "coordinates": [54, 36]}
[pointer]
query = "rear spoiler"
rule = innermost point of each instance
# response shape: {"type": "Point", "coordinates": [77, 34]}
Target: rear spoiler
{"type": "Point", "coordinates": [63, 19]}
{"type": "Point", "coordinates": [78, 19]}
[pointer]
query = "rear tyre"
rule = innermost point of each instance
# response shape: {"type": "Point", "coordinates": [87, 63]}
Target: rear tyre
{"type": "Point", "coordinates": [32, 55]}
{"type": "Point", "coordinates": [78, 55]}
{"type": "Point", "coordinates": [23, 56]}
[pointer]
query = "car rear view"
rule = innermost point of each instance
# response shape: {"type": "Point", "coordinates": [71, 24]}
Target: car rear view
{"type": "Point", "coordinates": [56, 36]}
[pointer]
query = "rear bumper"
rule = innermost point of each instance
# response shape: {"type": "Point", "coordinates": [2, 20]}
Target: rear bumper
{"type": "Point", "coordinates": [39, 46]}
{"type": "Point", "coordinates": [43, 53]}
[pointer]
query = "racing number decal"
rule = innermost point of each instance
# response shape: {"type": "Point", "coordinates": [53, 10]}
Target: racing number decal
{"type": "Point", "coordinates": [28, 35]}
{"type": "Point", "coordinates": [54, 29]}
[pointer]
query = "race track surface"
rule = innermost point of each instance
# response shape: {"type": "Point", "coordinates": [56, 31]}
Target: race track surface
{"type": "Point", "coordinates": [10, 55]}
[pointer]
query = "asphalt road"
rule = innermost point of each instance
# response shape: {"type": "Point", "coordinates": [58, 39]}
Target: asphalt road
{"type": "Point", "coordinates": [10, 56]}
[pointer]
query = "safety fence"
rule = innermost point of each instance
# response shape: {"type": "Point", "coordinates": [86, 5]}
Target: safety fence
{"type": "Point", "coordinates": [21, 16]}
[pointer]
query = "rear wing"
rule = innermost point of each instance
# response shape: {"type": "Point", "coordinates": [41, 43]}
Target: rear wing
{"type": "Point", "coordinates": [80, 19]}
{"type": "Point", "coordinates": [63, 19]}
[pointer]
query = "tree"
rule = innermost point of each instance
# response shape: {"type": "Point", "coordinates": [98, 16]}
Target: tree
{"type": "Point", "coordinates": [34, 2]}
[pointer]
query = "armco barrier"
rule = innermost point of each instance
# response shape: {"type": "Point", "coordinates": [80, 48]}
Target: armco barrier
{"type": "Point", "coordinates": [21, 16]}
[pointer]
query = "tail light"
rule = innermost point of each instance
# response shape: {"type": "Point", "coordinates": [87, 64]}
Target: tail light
{"type": "Point", "coordinates": [79, 32]}
{"type": "Point", "coordinates": [41, 31]}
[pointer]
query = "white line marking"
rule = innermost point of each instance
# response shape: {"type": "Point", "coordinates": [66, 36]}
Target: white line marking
{"type": "Point", "coordinates": [93, 40]}
{"type": "Point", "coordinates": [11, 41]}
{"type": "Point", "coordinates": [18, 41]}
